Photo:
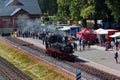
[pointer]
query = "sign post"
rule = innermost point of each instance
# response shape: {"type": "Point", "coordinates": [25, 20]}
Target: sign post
{"type": "Point", "coordinates": [78, 74]}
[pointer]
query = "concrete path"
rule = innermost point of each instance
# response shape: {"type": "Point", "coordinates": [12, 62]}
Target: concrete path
{"type": "Point", "coordinates": [96, 57]}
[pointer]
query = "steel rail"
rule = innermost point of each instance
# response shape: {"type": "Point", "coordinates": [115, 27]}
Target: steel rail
{"type": "Point", "coordinates": [6, 76]}
{"type": "Point", "coordinates": [86, 68]}
{"type": "Point", "coordinates": [20, 74]}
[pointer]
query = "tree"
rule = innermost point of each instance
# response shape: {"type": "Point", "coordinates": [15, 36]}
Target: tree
{"type": "Point", "coordinates": [48, 6]}
{"type": "Point", "coordinates": [102, 12]}
{"type": "Point", "coordinates": [87, 10]}
{"type": "Point", "coordinates": [63, 9]}
{"type": "Point", "coordinates": [95, 9]}
{"type": "Point", "coordinates": [82, 10]}
{"type": "Point", "coordinates": [75, 7]}
{"type": "Point", "coordinates": [114, 6]}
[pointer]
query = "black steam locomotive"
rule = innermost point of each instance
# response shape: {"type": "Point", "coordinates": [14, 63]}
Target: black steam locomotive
{"type": "Point", "coordinates": [56, 46]}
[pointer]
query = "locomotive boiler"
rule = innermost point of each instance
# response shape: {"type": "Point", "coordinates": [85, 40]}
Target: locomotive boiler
{"type": "Point", "coordinates": [58, 46]}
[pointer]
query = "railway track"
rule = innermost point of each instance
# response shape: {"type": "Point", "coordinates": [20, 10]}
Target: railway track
{"type": "Point", "coordinates": [88, 73]}
{"type": "Point", "coordinates": [10, 72]}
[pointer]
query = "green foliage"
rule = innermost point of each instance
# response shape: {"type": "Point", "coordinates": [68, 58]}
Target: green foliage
{"type": "Point", "coordinates": [114, 6]}
{"type": "Point", "coordinates": [82, 9]}
{"type": "Point", "coordinates": [63, 11]}
{"type": "Point", "coordinates": [75, 10]}
{"type": "Point", "coordinates": [46, 14]}
{"type": "Point", "coordinates": [49, 6]}
{"type": "Point", "coordinates": [86, 12]}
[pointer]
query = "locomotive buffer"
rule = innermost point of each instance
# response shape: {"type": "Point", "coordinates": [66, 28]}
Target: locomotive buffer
{"type": "Point", "coordinates": [78, 74]}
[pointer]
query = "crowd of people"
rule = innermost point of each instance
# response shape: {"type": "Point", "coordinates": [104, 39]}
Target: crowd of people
{"type": "Point", "coordinates": [115, 46]}
{"type": "Point", "coordinates": [82, 43]}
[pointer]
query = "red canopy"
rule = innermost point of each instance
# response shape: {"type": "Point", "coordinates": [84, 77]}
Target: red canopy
{"type": "Point", "coordinates": [87, 34]}
{"type": "Point", "coordinates": [111, 32]}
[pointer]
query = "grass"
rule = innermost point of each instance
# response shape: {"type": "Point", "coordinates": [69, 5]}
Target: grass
{"type": "Point", "coordinates": [30, 66]}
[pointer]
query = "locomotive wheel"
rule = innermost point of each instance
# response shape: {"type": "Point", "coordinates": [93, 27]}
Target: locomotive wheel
{"type": "Point", "coordinates": [50, 53]}
{"type": "Point", "coordinates": [55, 54]}
{"type": "Point", "coordinates": [47, 52]}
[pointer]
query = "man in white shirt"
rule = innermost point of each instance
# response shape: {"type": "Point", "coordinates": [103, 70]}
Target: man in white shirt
{"type": "Point", "coordinates": [112, 44]}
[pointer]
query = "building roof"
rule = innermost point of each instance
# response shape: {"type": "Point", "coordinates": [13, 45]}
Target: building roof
{"type": "Point", "coordinates": [9, 9]}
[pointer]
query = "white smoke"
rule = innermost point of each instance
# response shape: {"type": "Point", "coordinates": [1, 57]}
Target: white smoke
{"type": "Point", "coordinates": [27, 24]}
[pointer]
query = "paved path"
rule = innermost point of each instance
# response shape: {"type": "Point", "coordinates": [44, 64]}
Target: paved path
{"type": "Point", "coordinates": [96, 57]}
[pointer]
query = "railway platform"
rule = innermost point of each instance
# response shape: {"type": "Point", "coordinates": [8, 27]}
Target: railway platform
{"type": "Point", "coordinates": [95, 57]}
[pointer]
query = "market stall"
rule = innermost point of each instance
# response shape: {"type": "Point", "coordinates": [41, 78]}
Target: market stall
{"type": "Point", "coordinates": [87, 34]}
{"type": "Point", "coordinates": [103, 34]}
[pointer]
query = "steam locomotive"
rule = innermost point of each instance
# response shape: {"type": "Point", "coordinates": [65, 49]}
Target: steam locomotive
{"type": "Point", "coordinates": [56, 46]}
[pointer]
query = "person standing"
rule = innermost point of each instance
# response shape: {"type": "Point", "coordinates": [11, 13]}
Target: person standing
{"type": "Point", "coordinates": [43, 38]}
{"type": "Point", "coordinates": [75, 46]}
{"type": "Point", "coordinates": [88, 43]}
{"type": "Point", "coordinates": [112, 43]}
{"type": "Point", "coordinates": [80, 41]}
{"type": "Point", "coordinates": [116, 57]}
{"type": "Point", "coordinates": [106, 45]}
{"type": "Point", "coordinates": [83, 44]}
{"type": "Point", "coordinates": [116, 45]}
